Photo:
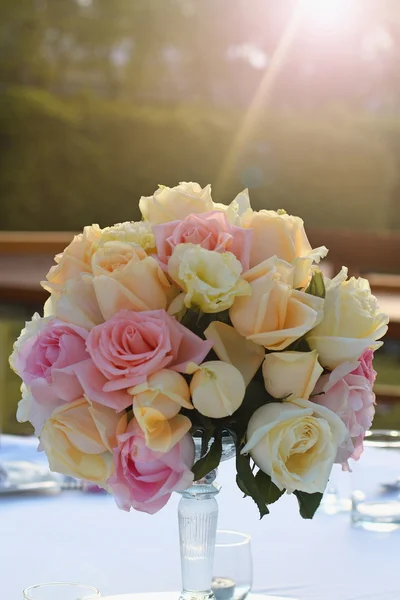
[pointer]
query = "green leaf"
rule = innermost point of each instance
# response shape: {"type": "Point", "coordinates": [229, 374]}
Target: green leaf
{"type": "Point", "coordinates": [248, 482]}
{"type": "Point", "coordinates": [241, 486]}
{"type": "Point", "coordinates": [271, 493]}
{"type": "Point", "coordinates": [317, 285]}
{"type": "Point", "coordinates": [308, 503]}
{"type": "Point", "coordinates": [211, 460]}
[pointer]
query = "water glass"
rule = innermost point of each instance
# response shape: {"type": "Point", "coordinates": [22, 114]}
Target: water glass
{"type": "Point", "coordinates": [376, 483]}
{"type": "Point", "coordinates": [61, 591]}
{"type": "Point", "coordinates": [233, 569]}
{"type": "Point", "coordinates": [337, 496]}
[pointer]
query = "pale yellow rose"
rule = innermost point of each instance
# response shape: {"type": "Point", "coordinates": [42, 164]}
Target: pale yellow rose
{"type": "Point", "coordinates": [232, 348]}
{"type": "Point", "coordinates": [133, 232]}
{"type": "Point", "coordinates": [217, 388]}
{"type": "Point", "coordinates": [275, 314]}
{"type": "Point", "coordinates": [352, 322]}
{"type": "Point", "coordinates": [75, 259]}
{"type": "Point", "coordinates": [125, 277]}
{"type": "Point", "coordinates": [238, 209]}
{"type": "Point", "coordinates": [173, 204]}
{"type": "Point", "coordinates": [291, 375]}
{"type": "Point", "coordinates": [211, 280]}
{"type": "Point", "coordinates": [278, 234]}
{"type": "Point", "coordinates": [76, 303]}
{"type": "Point", "coordinates": [295, 443]}
{"type": "Point", "coordinates": [79, 437]}
{"type": "Point", "coordinates": [156, 404]}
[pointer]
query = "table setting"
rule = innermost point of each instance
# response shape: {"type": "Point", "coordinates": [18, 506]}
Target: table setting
{"type": "Point", "coordinates": [197, 371]}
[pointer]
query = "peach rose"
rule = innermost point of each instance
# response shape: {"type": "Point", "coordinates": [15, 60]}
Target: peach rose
{"type": "Point", "coordinates": [232, 348]}
{"type": "Point", "coordinates": [79, 437]}
{"type": "Point", "coordinates": [289, 375]}
{"type": "Point", "coordinates": [156, 404]}
{"type": "Point", "coordinates": [278, 234]}
{"type": "Point", "coordinates": [76, 303]}
{"type": "Point", "coordinates": [75, 259]}
{"type": "Point", "coordinates": [125, 277]}
{"type": "Point", "coordinates": [170, 204]}
{"type": "Point", "coordinates": [275, 314]}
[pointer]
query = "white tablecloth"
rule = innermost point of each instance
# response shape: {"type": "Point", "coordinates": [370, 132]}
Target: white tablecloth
{"type": "Point", "coordinates": [84, 537]}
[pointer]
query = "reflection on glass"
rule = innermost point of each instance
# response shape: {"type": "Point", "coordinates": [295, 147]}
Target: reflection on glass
{"type": "Point", "coordinates": [233, 569]}
{"type": "Point", "coordinates": [61, 591]}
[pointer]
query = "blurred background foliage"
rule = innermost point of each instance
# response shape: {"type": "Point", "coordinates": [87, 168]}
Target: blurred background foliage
{"type": "Point", "coordinates": [102, 100]}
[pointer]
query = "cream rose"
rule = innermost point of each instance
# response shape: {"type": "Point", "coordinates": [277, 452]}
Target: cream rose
{"type": "Point", "coordinates": [75, 259]}
{"type": "Point", "coordinates": [295, 443]}
{"type": "Point", "coordinates": [278, 234]}
{"type": "Point", "coordinates": [132, 232]}
{"type": "Point", "coordinates": [274, 315]}
{"type": "Point", "coordinates": [211, 280]}
{"type": "Point", "coordinates": [156, 404]}
{"type": "Point", "coordinates": [234, 349]}
{"type": "Point", "coordinates": [174, 204]}
{"type": "Point", "coordinates": [126, 278]}
{"type": "Point", "coordinates": [76, 303]}
{"type": "Point", "coordinates": [79, 437]}
{"type": "Point", "coordinates": [238, 209]}
{"type": "Point", "coordinates": [352, 322]}
{"type": "Point", "coordinates": [217, 388]}
{"type": "Point", "coordinates": [291, 375]}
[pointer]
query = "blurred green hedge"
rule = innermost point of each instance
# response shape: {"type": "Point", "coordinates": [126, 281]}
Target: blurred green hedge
{"type": "Point", "coordinates": [67, 162]}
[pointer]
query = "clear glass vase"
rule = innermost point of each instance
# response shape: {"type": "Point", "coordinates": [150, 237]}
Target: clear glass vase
{"type": "Point", "coordinates": [198, 517]}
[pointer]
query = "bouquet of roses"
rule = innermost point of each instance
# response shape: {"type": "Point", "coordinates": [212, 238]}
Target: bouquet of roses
{"type": "Point", "coordinates": [200, 320]}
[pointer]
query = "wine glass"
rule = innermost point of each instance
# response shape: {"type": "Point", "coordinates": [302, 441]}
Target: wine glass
{"type": "Point", "coordinates": [233, 568]}
{"type": "Point", "coordinates": [61, 591]}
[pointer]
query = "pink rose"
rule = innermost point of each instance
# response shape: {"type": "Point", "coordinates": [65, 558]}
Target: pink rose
{"type": "Point", "coordinates": [347, 391]}
{"type": "Point", "coordinates": [132, 345]}
{"type": "Point", "coordinates": [44, 356]}
{"type": "Point", "coordinates": [144, 479]}
{"type": "Point", "coordinates": [211, 231]}
{"type": "Point", "coordinates": [365, 367]}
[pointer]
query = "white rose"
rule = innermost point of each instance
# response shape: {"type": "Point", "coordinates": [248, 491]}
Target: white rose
{"type": "Point", "coordinates": [291, 375]}
{"type": "Point", "coordinates": [352, 322]}
{"type": "Point", "coordinates": [217, 388]}
{"type": "Point", "coordinates": [295, 443]}
{"type": "Point", "coordinates": [172, 204]}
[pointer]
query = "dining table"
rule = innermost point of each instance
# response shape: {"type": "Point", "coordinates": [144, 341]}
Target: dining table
{"type": "Point", "coordinates": [82, 536]}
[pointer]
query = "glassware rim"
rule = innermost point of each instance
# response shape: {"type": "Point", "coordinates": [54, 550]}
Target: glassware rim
{"type": "Point", "coordinates": [84, 586]}
{"type": "Point", "coordinates": [382, 438]}
{"type": "Point", "coordinates": [245, 538]}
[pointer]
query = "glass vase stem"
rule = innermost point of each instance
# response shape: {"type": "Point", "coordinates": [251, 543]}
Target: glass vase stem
{"type": "Point", "coordinates": [198, 516]}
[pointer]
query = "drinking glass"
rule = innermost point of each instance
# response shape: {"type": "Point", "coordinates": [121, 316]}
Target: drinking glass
{"type": "Point", "coordinates": [337, 496]}
{"type": "Point", "coordinates": [233, 569]}
{"type": "Point", "coordinates": [376, 483]}
{"type": "Point", "coordinates": [61, 591]}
